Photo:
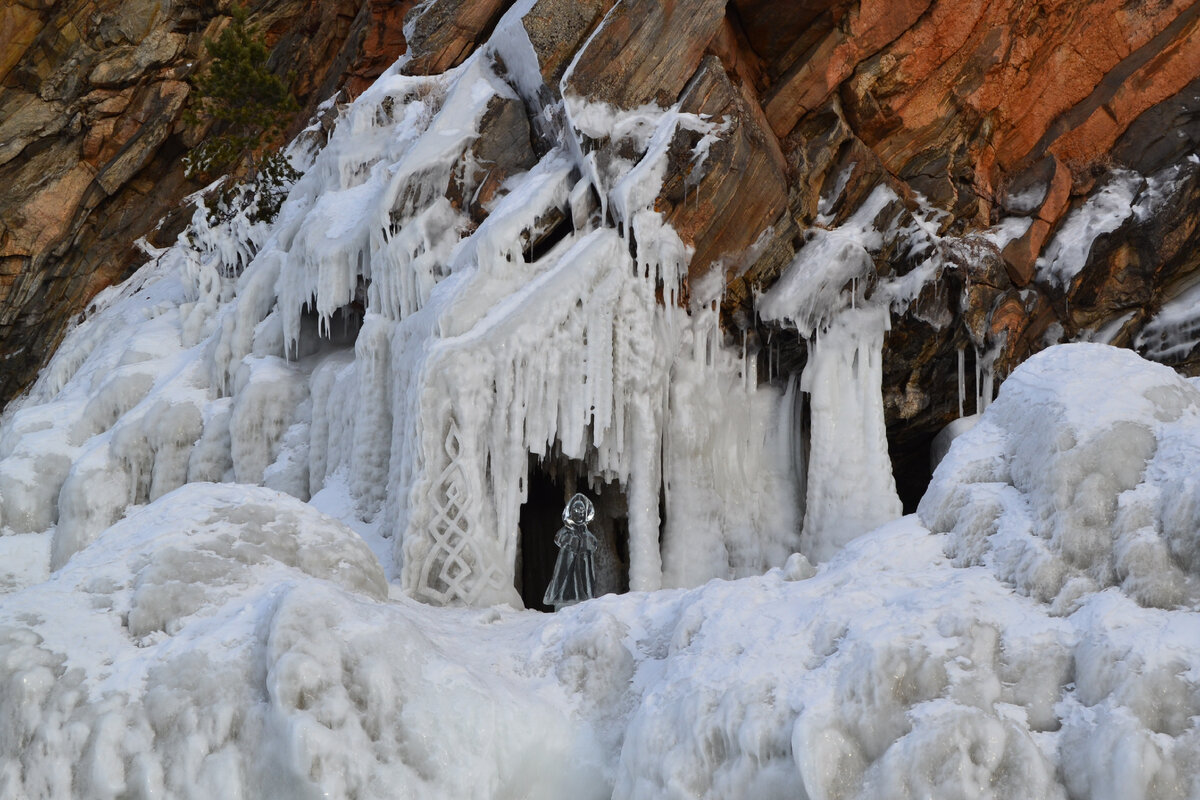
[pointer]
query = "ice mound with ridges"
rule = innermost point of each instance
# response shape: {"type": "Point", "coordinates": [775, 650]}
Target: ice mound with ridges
{"type": "Point", "coordinates": [1067, 486]}
{"type": "Point", "coordinates": [232, 641]}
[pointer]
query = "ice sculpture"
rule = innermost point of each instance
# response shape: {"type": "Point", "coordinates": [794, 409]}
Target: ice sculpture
{"type": "Point", "coordinates": [574, 575]}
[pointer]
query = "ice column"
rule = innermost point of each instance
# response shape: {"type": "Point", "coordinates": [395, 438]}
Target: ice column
{"type": "Point", "coordinates": [851, 489]}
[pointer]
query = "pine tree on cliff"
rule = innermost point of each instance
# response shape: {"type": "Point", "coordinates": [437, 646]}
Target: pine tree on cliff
{"type": "Point", "coordinates": [249, 107]}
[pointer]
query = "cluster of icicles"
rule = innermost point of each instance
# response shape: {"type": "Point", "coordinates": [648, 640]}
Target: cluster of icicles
{"type": "Point", "coordinates": [374, 337]}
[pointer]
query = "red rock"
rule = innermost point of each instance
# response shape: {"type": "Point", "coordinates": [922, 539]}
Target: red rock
{"type": "Point", "coordinates": [645, 51]}
{"type": "Point", "coordinates": [382, 42]}
{"type": "Point", "coordinates": [86, 169]}
{"type": "Point", "coordinates": [1020, 255]}
{"type": "Point", "coordinates": [723, 204]}
{"type": "Point", "coordinates": [556, 29]}
{"type": "Point", "coordinates": [19, 27]}
{"type": "Point", "coordinates": [871, 26]}
{"type": "Point", "coordinates": [444, 33]}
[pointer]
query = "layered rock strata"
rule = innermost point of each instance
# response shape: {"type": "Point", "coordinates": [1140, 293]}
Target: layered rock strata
{"type": "Point", "coordinates": [1044, 153]}
{"type": "Point", "coordinates": [92, 132]}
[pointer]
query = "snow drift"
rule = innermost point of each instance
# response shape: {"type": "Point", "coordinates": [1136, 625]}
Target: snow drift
{"type": "Point", "coordinates": [231, 639]}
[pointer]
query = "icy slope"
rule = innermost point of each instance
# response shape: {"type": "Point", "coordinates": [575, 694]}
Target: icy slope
{"type": "Point", "coordinates": [231, 640]}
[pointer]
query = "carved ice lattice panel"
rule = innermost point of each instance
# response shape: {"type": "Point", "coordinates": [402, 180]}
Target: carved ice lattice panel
{"type": "Point", "coordinates": [460, 565]}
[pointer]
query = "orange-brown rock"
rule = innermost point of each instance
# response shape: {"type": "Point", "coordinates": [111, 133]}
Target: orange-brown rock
{"type": "Point", "coordinates": [443, 34]}
{"type": "Point", "coordinates": [92, 94]}
{"type": "Point", "coordinates": [645, 51]}
{"type": "Point", "coordinates": [556, 29]}
{"type": "Point", "coordinates": [376, 39]}
{"type": "Point", "coordinates": [1054, 185]}
{"type": "Point", "coordinates": [20, 23]}
{"type": "Point", "coordinates": [868, 26]}
{"type": "Point", "coordinates": [721, 200]}
{"type": "Point", "coordinates": [1037, 75]}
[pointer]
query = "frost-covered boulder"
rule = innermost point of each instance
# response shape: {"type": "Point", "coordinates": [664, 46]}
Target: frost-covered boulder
{"type": "Point", "coordinates": [138, 669]}
{"type": "Point", "coordinates": [204, 545]}
{"type": "Point", "coordinates": [890, 673]}
{"type": "Point", "coordinates": [1082, 475]}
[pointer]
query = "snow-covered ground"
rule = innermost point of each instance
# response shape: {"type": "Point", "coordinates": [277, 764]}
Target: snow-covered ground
{"type": "Point", "coordinates": [259, 514]}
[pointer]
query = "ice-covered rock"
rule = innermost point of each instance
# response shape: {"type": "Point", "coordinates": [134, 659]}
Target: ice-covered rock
{"type": "Point", "coordinates": [138, 668]}
{"type": "Point", "coordinates": [378, 337]}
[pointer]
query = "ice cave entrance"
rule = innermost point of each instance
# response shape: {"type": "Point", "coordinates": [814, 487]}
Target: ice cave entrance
{"type": "Point", "coordinates": [551, 481]}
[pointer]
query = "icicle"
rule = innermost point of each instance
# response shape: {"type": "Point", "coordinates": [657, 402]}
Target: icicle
{"type": "Point", "coordinates": [962, 380]}
{"type": "Point", "coordinates": [978, 385]}
{"type": "Point", "coordinates": [645, 559]}
{"type": "Point", "coordinates": [745, 366]}
{"type": "Point", "coordinates": [850, 485]}
{"type": "Point", "coordinates": [794, 401]}
{"type": "Point", "coordinates": [987, 392]}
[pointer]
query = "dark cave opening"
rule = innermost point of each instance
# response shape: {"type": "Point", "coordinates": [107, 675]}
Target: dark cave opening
{"type": "Point", "coordinates": [911, 467]}
{"type": "Point", "coordinates": [541, 244]}
{"type": "Point", "coordinates": [339, 332]}
{"type": "Point", "coordinates": [551, 482]}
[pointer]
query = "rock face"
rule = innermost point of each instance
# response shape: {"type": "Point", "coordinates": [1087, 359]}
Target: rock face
{"type": "Point", "coordinates": [92, 95]}
{"type": "Point", "coordinates": [1040, 158]}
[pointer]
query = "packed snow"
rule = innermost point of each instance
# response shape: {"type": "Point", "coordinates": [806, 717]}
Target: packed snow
{"type": "Point", "coordinates": [1069, 495]}
{"type": "Point", "coordinates": [259, 516]}
{"type": "Point", "coordinates": [230, 640]}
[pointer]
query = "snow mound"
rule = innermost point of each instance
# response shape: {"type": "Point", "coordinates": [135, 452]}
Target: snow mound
{"type": "Point", "coordinates": [887, 673]}
{"type": "Point", "coordinates": [1064, 488]}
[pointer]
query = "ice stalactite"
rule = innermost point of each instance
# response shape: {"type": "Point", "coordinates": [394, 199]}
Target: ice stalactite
{"type": "Point", "coordinates": [716, 523]}
{"type": "Point", "coordinates": [850, 485]}
{"type": "Point", "coordinates": [849, 488]}
{"type": "Point", "coordinates": [962, 379]}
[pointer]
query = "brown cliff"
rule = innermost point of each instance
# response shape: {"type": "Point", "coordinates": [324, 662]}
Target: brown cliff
{"type": "Point", "coordinates": [92, 95]}
{"type": "Point", "coordinates": [982, 111]}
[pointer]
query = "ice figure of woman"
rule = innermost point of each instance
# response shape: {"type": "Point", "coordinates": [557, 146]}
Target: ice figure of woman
{"type": "Point", "coordinates": [574, 576]}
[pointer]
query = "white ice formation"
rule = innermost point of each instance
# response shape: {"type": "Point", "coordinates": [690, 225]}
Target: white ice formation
{"type": "Point", "coordinates": [182, 616]}
{"type": "Point", "coordinates": [376, 338]}
{"type": "Point", "coordinates": [1070, 495]}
